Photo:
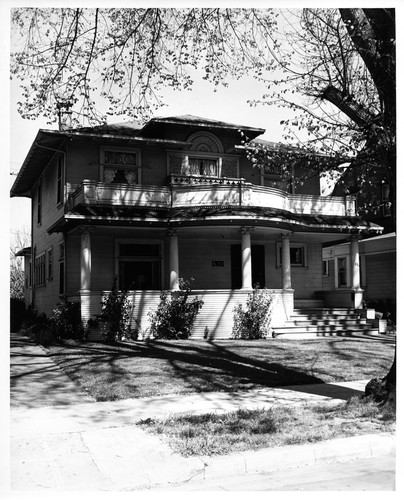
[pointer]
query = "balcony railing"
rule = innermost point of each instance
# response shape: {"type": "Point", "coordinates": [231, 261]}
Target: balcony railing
{"type": "Point", "coordinates": [185, 192]}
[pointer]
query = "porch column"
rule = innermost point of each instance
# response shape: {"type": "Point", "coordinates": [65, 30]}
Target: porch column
{"type": "Point", "coordinates": [355, 269]}
{"type": "Point", "coordinates": [355, 272]}
{"type": "Point", "coordinates": [246, 272]}
{"type": "Point", "coordinates": [286, 269]}
{"type": "Point", "coordinates": [85, 259]}
{"type": "Point", "coordinates": [85, 273]}
{"type": "Point", "coordinates": [174, 260]}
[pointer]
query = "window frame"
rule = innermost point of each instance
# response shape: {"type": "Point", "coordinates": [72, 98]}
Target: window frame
{"type": "Point", "coordinates": [62, 277]}
{"type": "Point", "coordinates": [130, 168]}
{"type": "Point", "coordinates": [293, 245]}
{"type": "Point", "coordinates": [40, 270]}
{"type": "Point", "coordinates": [338, 274]}
{"type": "Point", "coordinates": [49, 263]}
{"type": "Point", "coordinates": [140, 258]}
{"type": "Point", "coordinates": [199, 156]}
{"type": "Point", "coordinates": [60, 173]}
{"type": "Point", "coordinates": [326, 267]}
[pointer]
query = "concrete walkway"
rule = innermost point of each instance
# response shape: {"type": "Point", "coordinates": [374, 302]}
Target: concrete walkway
{"type": "Point", "coordinates": [62, 440]}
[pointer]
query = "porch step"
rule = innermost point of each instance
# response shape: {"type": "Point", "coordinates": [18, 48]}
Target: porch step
{"type": "Point", "coordinates": [338, 321]}
{"type": "Point", "coordinates": [320, 311]}
{"type": "Point", "coordinates": [308, 303]}
{"type": "Point", "coordinates": [289, 334]}
{"type": "Point", "coordinates": [324, 322]}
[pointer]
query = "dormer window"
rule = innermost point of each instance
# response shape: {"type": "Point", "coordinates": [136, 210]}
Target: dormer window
{"type": "Point", "coordinates": [120, 165]}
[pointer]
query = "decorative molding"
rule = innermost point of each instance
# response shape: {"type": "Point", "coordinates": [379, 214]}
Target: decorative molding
{"type": "Point", "coordinates": [205, 142]}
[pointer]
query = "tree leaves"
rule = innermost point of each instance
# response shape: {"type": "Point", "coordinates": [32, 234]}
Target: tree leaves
{"type": "Point", "coordinates": [117, 61]}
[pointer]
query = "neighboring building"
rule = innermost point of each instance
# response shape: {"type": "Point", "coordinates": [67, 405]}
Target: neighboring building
{"type": "Point", "coordinates": [378, 274]}
{"type": "Point", "coordinates": [26, 253]}
{"type": "Point", "coordinates": [175, 198]}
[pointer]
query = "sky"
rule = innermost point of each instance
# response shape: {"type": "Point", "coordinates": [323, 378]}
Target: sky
{"type": "Point", "coordinates": [227, 104]}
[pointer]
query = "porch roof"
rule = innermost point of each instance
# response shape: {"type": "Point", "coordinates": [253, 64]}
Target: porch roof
{"type": "Point", "coordinates": [212, 215]}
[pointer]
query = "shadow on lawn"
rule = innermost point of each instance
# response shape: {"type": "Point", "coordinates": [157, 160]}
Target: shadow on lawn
{"type": "Point", "coordinates": [195, 367]}
{"type": "Point", "coordinates": [133, 370]}
{"type": "Point", "coordinates": [36, 381]}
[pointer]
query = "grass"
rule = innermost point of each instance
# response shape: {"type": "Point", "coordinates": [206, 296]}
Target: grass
{"type": "Point", "coordinates": [244, 430]}
{"type": "Point", "coordinates": [140, 369]}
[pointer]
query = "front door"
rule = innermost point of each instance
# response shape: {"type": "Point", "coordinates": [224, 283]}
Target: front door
{"type": "Point", "coordinates": [257, 266]}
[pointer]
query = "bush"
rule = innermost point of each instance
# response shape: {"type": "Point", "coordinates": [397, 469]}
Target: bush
{"type": "Point", "coordinates": [115, 315]}
{"type": "Point", "coordinates": [66, 321]}
{"type": "Point", "coordinates": [255, 321]}
{"type": "Point", "coordinates": [17, 313]}
{"type": "Point", "coordinates": [175, 315]}
{"type": "Point", "coordinates": [37, 327]}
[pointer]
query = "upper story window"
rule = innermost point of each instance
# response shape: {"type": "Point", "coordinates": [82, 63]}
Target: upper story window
{"type": "Point", "coordinates": [204, 166]}
{"type": "Point", "coordinates": [120, 165]}
{"type": "Point", "coordinates": [272, 176]}
{"type": "Point", "coordinates": [39, 270]}
{"type": "Point", "coordinates": [60, 176]}
{"type": "Point", "coordinates": [205, 158]}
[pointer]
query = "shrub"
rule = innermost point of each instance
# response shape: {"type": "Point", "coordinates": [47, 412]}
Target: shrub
{"type": "Point", "coordinates": [66, 321]}
{"type": "Point", "coordinates": [255, 321]}
{"type": "Point", "coordinates": [115, 315]}
{"type": "Point", "coordinates": [17, 313]}
{"type": "Point", "coordinates": [37, 327]}
{"type": "Point", "coordinates": [175, 314]}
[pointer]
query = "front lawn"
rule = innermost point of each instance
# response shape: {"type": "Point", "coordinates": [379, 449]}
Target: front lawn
{"type": "Point", "coordinates": [139, 369]}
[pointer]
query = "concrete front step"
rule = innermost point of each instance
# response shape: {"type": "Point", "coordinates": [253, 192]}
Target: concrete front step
{"type": "Point", "coordinates": [324, 328]}
{"type": "Point", "coordinates": [347, 322]}
{"type": "Point", "coordinates": [302, 335]}
{"type": "Point", "coordinates": [308, 303]}
{"type": "Point", "coordinates": [326, 310]}
{"type": "Point", "coordinates": [316, 322]}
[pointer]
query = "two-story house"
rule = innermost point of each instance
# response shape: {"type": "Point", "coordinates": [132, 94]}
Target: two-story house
{"type": "Point", "coordinates": [177, 198]}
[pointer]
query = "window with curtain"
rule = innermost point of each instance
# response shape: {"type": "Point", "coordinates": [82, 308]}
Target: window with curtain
{"type": "Point", "coordinates": [204, 166]}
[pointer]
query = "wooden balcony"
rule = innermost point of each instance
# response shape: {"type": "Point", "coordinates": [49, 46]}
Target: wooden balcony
{"type": "Point", "coordinates": [185, 191]}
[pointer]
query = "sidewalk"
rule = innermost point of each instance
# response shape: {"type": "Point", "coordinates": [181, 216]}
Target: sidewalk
{"type": "Point", "coordinates": [78, 444]}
